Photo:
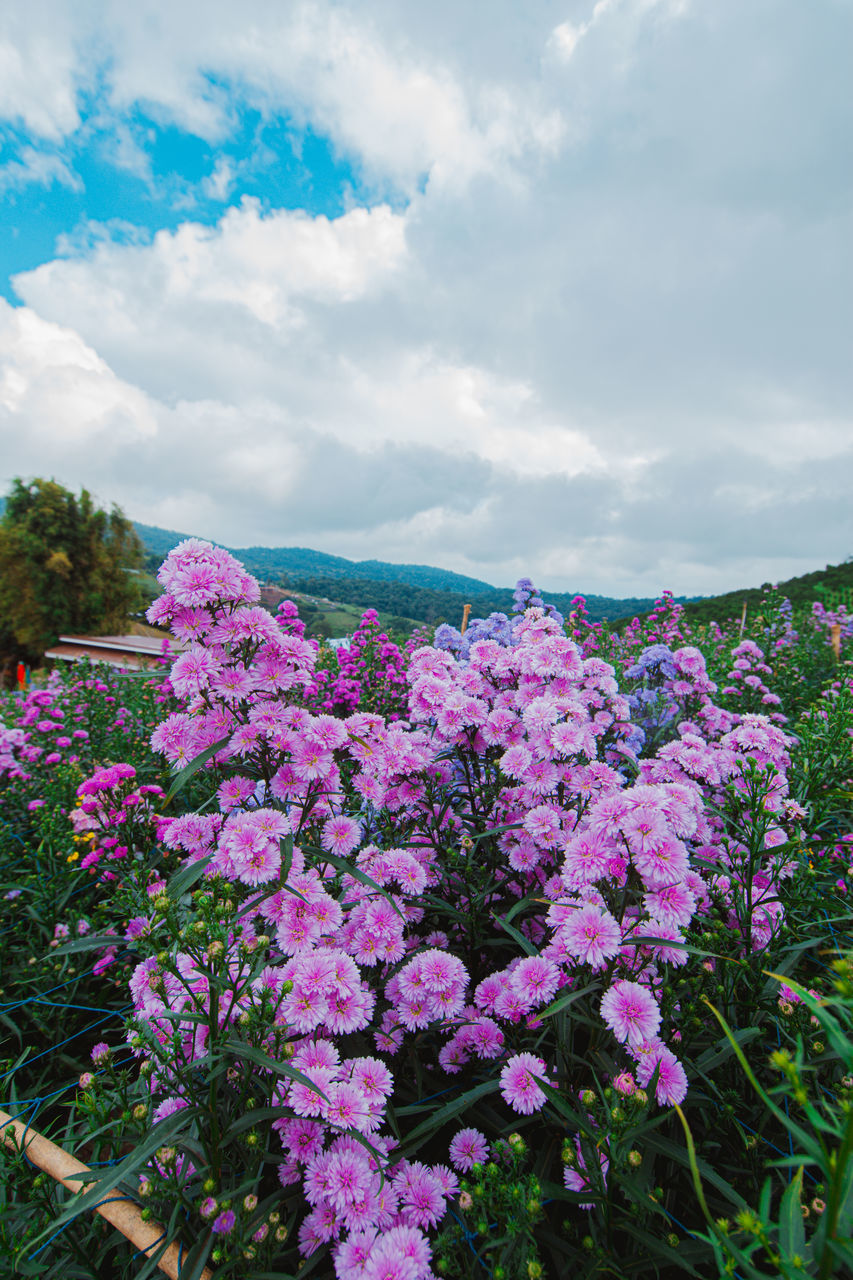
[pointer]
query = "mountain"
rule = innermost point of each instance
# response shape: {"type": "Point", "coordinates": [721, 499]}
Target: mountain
{"type": "Point", "coordinates": [833, 585]}
{"type": "Point", "coordinates": [430, 605]}
{"type": "Point", "coordinates": [428, 594]}
{"type": "Point", "coordinates": [419, 591]}
{"type": "Point", "coordinates": [273, 562]}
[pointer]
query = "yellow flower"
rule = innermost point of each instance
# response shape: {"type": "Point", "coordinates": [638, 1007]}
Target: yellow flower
{"type": "Point", "coordinates": [72, 857]}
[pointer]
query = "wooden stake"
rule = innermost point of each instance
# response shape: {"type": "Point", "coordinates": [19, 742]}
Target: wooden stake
{"type": "Point", "coordinates": [743, 618]}
{"type": "Point", "coordinates": [466, 614]}
{"type": "Point", "coordinates": [124, 1215]}
{"type": "Point", "coordinates": [835, 636]}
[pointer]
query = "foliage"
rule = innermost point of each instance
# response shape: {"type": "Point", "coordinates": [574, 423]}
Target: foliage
{"type": "Point", "coordinates": [64, 566]}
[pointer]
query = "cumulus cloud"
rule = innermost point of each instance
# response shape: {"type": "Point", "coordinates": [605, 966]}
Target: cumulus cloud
{"type": "Point", "coordinates": [402, 113]}
{"type": "Point", "coordinates": [593, 325]}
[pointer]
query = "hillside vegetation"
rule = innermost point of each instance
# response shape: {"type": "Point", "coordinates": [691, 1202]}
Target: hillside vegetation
{"type": "Point", "coordinates": [834, 585]}
{"type": "Point", "coordinates": [407, 593]}
{"type": "Point", "coordinates": [420, 592]}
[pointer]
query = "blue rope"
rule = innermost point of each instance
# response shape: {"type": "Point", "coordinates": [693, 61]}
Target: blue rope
{"type": "Point", "coordinates": [86, 973]}
{"type": "Point", "coordinates": [469, 1237]}
{"type": "Point", "coordinates": [116, 1013]}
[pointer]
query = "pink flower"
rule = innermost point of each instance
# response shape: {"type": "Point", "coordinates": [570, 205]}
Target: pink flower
{"type": "Point", "coordinates": [340, 835]}
{"type": "Point", "coordinates": [671, 904]}
{"type": "Point", "coordinates": [534, 980]}
{"type": "Point", "coordinates": [349, 1178]}
{"type": "Point", "coordinates": [587, 856]}
{"type": "Point", "coordinates": [421, 1195]}
{"type": "Point", "coordinates": [671, 1087]}
{"type": "Point", "coordinates": [663, 863]}
{"type": "Point", "coordinates": [591, 935]}
{"type": "Point", "coordinates": [518, 1083]}
{"type": "Point", "coordinates": [630, 1012]}
{"type": "Point", "coordinates": [467, 1148]}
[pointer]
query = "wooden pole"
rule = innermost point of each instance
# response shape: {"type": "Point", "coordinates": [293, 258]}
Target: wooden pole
{"type": "Point", "coordinates": [466, 613]}
{"type": "Point", "coordinates": [743, 618]}
{"type": "Point", "coordinates": [835, 636]}
{"type": "Point", "coordinates": [124, 1215]}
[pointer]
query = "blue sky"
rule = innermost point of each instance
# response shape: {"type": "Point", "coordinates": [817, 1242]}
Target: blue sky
{"type": "Point", "coordinates": [175, 176]}
{"type": "Point", "coordinates": [560, 289]}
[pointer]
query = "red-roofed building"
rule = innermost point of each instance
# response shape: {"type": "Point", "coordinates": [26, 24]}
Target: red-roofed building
{"type": "Point", "coordinates": [131, 652]}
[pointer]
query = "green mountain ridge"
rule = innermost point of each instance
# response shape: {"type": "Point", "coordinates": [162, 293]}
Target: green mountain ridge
{"type": "Point", "coordinates": [274, 561]}
{"type": "Point", "coordinates": [427, 593]}
{"type": "Point", "coordinates": [422, 592]}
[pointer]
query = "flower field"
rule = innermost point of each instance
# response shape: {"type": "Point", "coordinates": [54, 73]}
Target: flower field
{"type": "Point", "coordinates": [517, 953]}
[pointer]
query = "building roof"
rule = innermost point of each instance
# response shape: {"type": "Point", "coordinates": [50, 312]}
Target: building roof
{"type": "Point", "coordinates": [118, 651]}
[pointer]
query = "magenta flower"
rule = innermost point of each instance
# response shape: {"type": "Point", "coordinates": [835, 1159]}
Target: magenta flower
{"type": "Point", "coordinates": [519, 1083]}
{"type": "Point", "coordinates": [671, 1087]}
{"type": "Point", "coordinates": [630, 1012]}
{"type": "Point", "coordinates": [223, 1225]}
{"type": "Point", "coordinates": [340, 835]}
{"type": "Point", "coordinates": [467, 1148]}
{"type": "Point", "coordinates": [591, 935]}
{"type": "Point", "coordinates": [535, 980]}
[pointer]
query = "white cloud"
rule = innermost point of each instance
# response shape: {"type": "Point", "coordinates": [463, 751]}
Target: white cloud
{"type": "Point", "coordinates": [266, 265]}
{"type": "Point", "coordinates": [37, 70]}
{"type": "Point", "coordinates": [218, 184]}
{"type": "Point", "coordinates": [399, 112]}
{"type": "Point", "coordinates": [37, 167]}
{"type": "Point", "coordinates": [61, 393]}
{"type": "Point", "coordinates": [605, 342]}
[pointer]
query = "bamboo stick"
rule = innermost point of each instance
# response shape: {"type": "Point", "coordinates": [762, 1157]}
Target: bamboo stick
{"type": "Point", "coordinates": [124, 1215]}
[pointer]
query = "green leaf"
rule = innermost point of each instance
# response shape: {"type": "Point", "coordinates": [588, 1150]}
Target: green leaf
{"type": "Point", "coordinates": [792, 1233]}
{"type": "Point", "coordinates": [448, 1112]}
{"type": "Point", "coordinates": [131, 1164]}
{"type": "Point", "coordinates": [261, 1059]}
{"type": "Point", "coordinates": [563, 1002]}
{"type": "Point", "coordinates": [803, 1138]}
{"type": "Point", "coordinates": [496, 831]}
{"type": "Point", "coordinates": [523, 942]}
{"type": "Point", "coordinates": [182, 778]}
{"type": "Point", "coordinates": [356, 872]}
{"type": "Point", "coordinates": [91, 942]}
{"type": "Point", "coordinates": [186, 876]}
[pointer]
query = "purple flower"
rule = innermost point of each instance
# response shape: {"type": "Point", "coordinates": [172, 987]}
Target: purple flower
{"type": "Point", "coordinates": [224, 1223]}
{"type": "Point", "coordinates": [519, 1083]}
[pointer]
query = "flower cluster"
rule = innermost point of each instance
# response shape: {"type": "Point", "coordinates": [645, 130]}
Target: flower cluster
{"type": "Point", "coordinates": [366, 672]}
{"type": "Point", "coordinates": [368, 862]}
{"type": "Point", "coordinates": [747, 689]}
{"type": "Point", "coordinates": [113, 816]}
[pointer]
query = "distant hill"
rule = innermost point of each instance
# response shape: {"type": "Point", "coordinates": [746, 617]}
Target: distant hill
{"type": "Point", "coordinates": [419, 591]}
{"type": "Point", "coordinates": [273, 562]}
{"type": "Point", "coordinates": [832, 585]}
{"type": "Point", "coordinates": [427, 594]}
{"type": "Point", "coordinates": [428, 605]}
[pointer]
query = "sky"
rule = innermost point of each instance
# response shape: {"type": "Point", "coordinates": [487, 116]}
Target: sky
{"type": "Point", "coordinates": [514, 288]}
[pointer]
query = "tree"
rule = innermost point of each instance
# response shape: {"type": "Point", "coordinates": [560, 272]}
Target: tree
{"type": "Point", "coordinates": [65, 566]}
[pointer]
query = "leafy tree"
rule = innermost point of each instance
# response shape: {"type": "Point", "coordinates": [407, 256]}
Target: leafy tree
{"type": "Point", "coordinates": [65, 566]}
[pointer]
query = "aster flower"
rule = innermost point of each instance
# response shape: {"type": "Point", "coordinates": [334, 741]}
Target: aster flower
{"type": "Point", "coordinates": [467, 1148]}
{"type": "Point", "coordinates": [535, 980]}
{"type": "Point", "coordinates": [631, 1012]}
{"type": "Point", "coordinates": [340, 835]}
{"type": "Point", "coordinates": [671, 1087]}
{"type": "Point", "coordinates": [519, 1083]}
{"type": "Point", "coordinates": [223, 1224]}
{"type": "Point", "coordinates": [591, 935]}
